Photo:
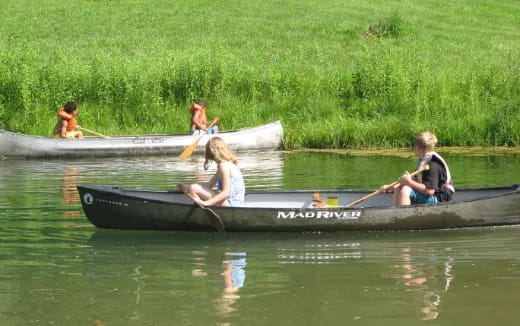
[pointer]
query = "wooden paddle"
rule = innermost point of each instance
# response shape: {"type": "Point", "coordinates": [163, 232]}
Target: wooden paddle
{"type": "Point", "coordinates": [190, 149]}
{"type": "Point", "coordinates": [424, 168]}
{"type": "Point", "coordinates": [214, 219]}
{"type": "Point", "coordinates": [93, 132]}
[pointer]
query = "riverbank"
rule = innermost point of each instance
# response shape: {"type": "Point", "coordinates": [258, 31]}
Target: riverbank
{"type": "Point", "coordinates": [408, 153]}
{"type": "Point", "coordinates": [338, 75]}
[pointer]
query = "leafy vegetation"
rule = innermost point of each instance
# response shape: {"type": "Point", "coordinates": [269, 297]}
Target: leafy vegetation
{"type": "Point", "coordinates": [338, 74]}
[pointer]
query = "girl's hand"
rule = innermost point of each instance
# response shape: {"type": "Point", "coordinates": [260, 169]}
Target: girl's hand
{"type": "Point", "coordinates": [198, 201]}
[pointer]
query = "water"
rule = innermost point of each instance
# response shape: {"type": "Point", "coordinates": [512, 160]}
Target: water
{"type": "Point", "coordinates": [57, 269]}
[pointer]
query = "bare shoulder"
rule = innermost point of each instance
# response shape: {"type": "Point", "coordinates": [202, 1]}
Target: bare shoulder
{"type": "Point", "coordinates": [226, 166]}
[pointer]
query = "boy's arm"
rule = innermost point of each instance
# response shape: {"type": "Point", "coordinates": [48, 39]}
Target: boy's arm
{"type": "Point", "coordinates": [406, 179]}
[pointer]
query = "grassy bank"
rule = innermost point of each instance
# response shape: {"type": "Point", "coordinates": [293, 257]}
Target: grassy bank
{"type": "Point", "coordinates": [135, 65]}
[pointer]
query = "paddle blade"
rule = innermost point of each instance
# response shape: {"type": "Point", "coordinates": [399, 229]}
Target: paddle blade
{"type": "Point", "coordinates": [190, 149]}
{"type": "Point", "coordinates": [215, 220]}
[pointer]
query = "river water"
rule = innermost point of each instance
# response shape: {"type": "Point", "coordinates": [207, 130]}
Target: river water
{"type": "Point", "coordinates": [58, 269]}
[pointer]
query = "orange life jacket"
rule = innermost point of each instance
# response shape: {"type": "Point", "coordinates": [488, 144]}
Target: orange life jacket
{"type": "Point", "coordinates": [71, 121]}
{"type": "Point", "coordinates": [202, 117]}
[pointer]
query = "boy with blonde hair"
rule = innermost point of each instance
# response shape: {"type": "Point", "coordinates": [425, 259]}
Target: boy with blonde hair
{"type": "Point", "coordinates": [431, 186]}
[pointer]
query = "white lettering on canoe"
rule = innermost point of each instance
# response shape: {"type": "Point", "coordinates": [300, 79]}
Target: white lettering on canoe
{"type": "Point", "coordinates": [89, 199]}
{"type": "Point", "coordinates": [111, 202]}
{"type": "Point", "coordinates": [340, 215]}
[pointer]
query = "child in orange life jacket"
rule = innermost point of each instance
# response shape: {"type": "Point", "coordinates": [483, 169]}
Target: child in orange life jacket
{"type": "Point", "coordinates": [66, 126]}
{"type": "Point", "coordinates": [199, 120]}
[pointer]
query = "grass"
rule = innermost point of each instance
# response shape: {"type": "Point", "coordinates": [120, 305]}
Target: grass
{"type": "Point", "coordinates": [339, 75]}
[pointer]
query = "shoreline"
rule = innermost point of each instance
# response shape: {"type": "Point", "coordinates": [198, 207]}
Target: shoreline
{"type": "Point", "coordinates": [408, 152]}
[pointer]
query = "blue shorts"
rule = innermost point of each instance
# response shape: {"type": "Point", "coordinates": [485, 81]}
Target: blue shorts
{"type": "Point", "coordinates": [420, 198]}
{"type": "Point", "coordinates": [210, 131]}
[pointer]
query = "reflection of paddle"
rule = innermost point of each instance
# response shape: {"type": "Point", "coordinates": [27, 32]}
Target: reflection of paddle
{"type": "Point", "coordinates": [214, 219]}
{"type": "Point", "coordinates": [426, 167]}
{"type": "Point", "coordinates": [93, 132]}
{"type": "Point", "coordinates": [190, 149]}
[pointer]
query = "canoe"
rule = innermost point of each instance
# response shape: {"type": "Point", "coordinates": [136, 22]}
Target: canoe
{"type": "Point", "coordinates": [268, 136]}
{"type": "Point", "coordinates": [283, 210]}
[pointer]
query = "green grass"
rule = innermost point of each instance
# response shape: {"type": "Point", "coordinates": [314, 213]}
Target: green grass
{"type": "Point", "coordinates": [134, 66]}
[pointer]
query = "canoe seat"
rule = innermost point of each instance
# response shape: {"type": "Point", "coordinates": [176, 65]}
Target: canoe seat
{"type": "Point", "coordinates": [277, 204]}
{"type": "Point", "coordinates": [297, 201]}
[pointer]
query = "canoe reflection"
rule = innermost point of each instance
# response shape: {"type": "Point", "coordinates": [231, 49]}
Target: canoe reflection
{"type": "Point", "coordinates": [321, 253]}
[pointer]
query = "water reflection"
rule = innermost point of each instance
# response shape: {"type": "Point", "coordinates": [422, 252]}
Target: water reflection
{"type": "Point", "coordinates": [233, 276]}
{"type": "Point", "coordinates": [70, 195]}
{"type": "Point", "coordinates": [140, 285]}
{"type": "Point", "coordinates": [425, 280]}
{"type": "Point", "coordinates": [320, 253]}
{"type": "Point", "coordinates": [408, 276]}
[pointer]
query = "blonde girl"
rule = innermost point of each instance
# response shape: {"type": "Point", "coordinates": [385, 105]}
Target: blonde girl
{"type": "Point", "coordinates": [228, 178]}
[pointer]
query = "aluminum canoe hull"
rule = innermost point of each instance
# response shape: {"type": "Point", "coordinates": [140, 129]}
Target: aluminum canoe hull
{"type": "Point", "coordinates": [265, 137]}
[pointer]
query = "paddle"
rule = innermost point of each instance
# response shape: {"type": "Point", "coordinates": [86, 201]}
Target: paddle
{"type": "Point", "coordinates": [93, 132]}
{"type": "Point", "coordinates": [426, 167]}
{"type": "Point", "coordinates": [190, 149]}
{"type": "Point", "coordinates": [214, 219]}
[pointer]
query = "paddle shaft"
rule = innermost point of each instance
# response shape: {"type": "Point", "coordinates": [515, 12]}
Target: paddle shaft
{"type": "Point", "coordinates": [93, 132]}
{"type": "Point", "coordinates": [393, 184]}
{"type": "Point", "coordinates": [219, 224]}
{"type": "Point", "coordinates": [190, 149]}
{"type": "Point", "coordinates": [212, 123]}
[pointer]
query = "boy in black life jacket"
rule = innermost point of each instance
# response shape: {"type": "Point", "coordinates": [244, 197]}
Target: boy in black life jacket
{"type": "Point", "coordinates": [429, 187]}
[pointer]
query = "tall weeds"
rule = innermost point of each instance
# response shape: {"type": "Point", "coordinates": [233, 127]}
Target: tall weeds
{"type": "Point", "coordinates": [331, 82]}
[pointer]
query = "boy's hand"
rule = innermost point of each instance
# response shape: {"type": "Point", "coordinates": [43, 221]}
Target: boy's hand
{"type": "Point", "coordinates": [389, 188]}
{"type": "Point", "coordinates": [405, 179]}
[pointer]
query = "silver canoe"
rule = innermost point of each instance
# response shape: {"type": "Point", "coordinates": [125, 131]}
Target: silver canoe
{"type": "Point", "coordinates": [12, 144]}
